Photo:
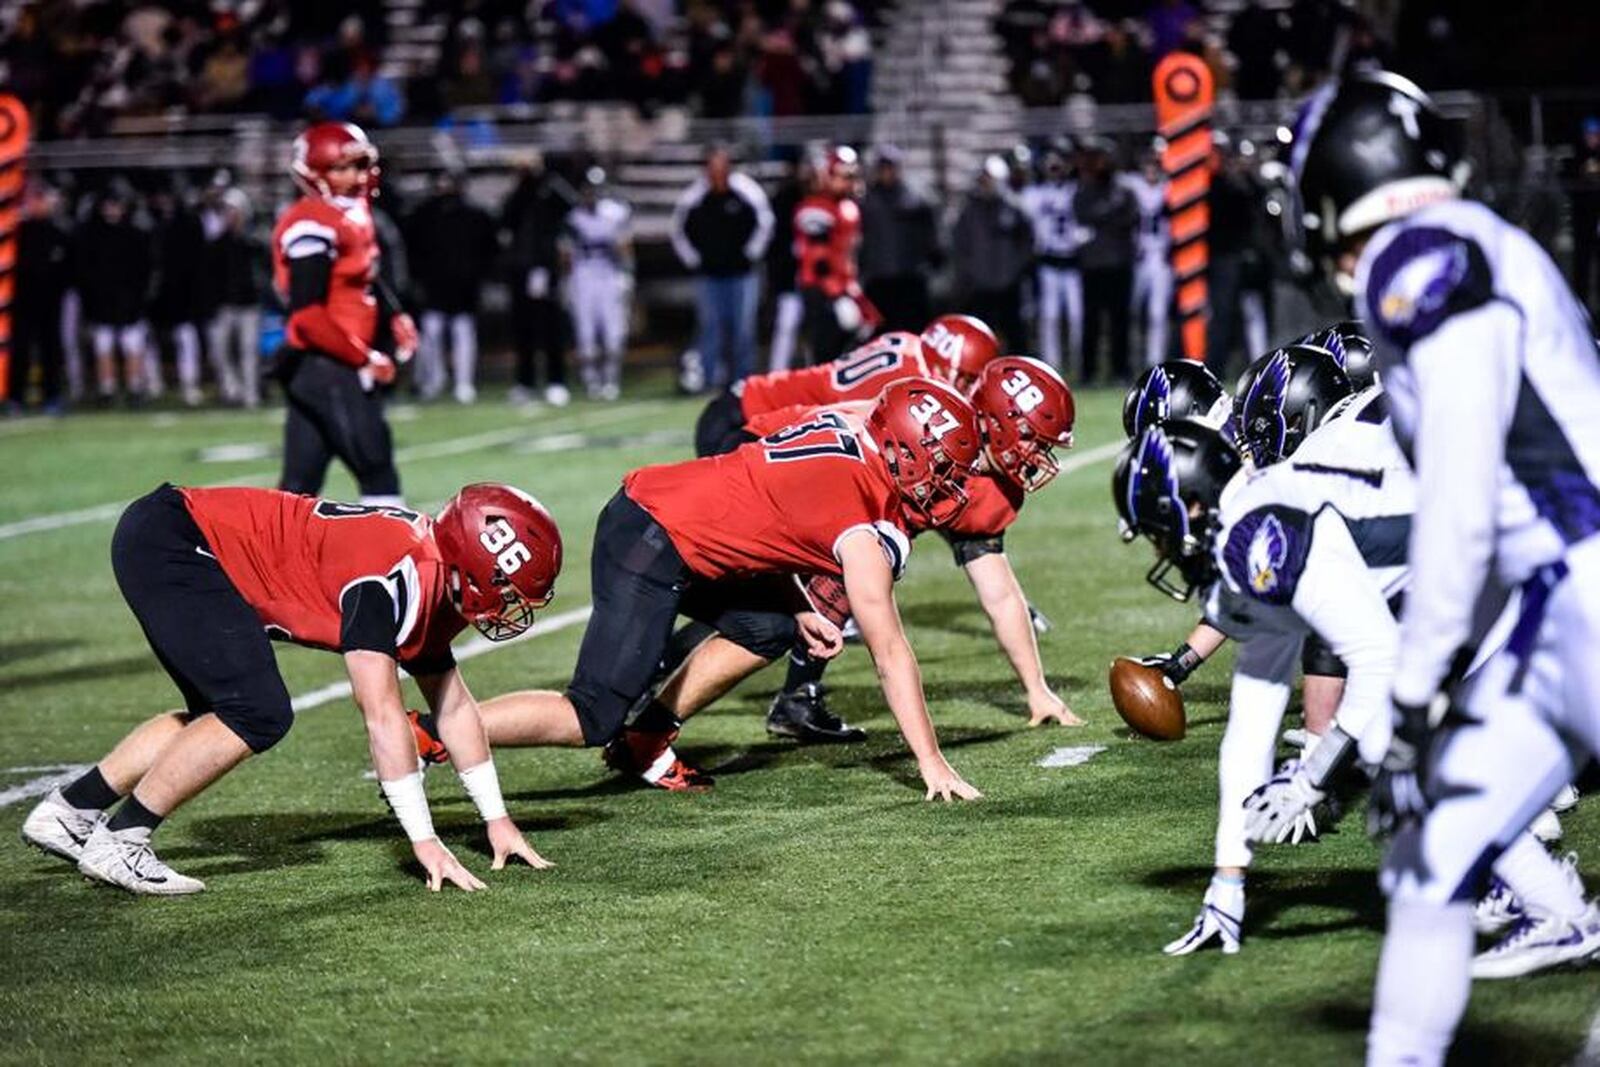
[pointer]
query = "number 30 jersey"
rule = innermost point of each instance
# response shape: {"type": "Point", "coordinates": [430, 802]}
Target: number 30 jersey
{"type": "Point", "coordinates": [293, 557]}
{"type": "Point", "coordinates": [778, 505]}
{"type": "Point", "coordinates": [859, 374]}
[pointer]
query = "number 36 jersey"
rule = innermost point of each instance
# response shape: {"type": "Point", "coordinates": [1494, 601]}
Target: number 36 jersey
{"type": "Point", "coordinates": [778, 505]}
{"type": "Point", "coordinates": [294, 557]}
{"type": "Point", "coordinates": [859, 374]}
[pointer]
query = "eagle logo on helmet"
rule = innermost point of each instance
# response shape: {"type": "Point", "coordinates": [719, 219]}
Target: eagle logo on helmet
{"type": "Point", "coordinates": [1155, 401]}
{"type": "Point", "coordinates": [1261, 419]}
{"type": "Point", "coordinates": [1156, 463]}
{"type": "Point", "coordinates": [1264, 559]}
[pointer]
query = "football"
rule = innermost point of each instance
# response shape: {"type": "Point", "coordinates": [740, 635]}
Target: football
{"type": "Point", "coordinates": [1147, 700]}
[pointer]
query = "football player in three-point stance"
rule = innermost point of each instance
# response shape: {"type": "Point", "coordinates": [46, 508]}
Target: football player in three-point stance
{"type": "Point", "coordinates": [1490, 366]}
{"type": "Point", "coordinates": [719, 538]}
{"type": "Point", "coordinates": [325, 267]}
{"type": "Point", "coordinates": [213, 575]}
{"type": "Point", "coordinates": [1313, 547]}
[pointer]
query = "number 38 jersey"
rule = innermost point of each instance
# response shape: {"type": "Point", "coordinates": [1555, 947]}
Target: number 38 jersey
{"type": "Point", "coordinates": [294, 557]}
{"type": "Point", "coordinates": [778, 505]}
{"type": "Point", "coordinates": [859, 374]}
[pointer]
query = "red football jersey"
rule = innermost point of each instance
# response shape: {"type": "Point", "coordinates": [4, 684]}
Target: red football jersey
{"type": "Point", "coordinates": [342, 230]}
{"type": "Point", "coordinates": [778, 505]}
{"type": "Point", "coordinates": [993, 504]}
{"type": "Point", "coordinates": [859, 374]}
{"type": "Point", "coordinates": [292, 557]}
{"type": "Point", "coordinates": [826, 231]}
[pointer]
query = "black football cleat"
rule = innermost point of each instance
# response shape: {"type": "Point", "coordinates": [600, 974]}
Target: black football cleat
{"type": "Point", "coordinates": [803, 715]}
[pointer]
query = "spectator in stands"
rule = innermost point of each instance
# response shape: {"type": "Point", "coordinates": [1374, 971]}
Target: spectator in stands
{"type": "Point", "coordinates": [1257, 38]}
{"type": "Point", "coordinates": [788, 308]}
{"type": "Point", "coordinates": [531, 221]}
{"type": "Point", "coordinates": [452, 247]}
{"type": "Point", "coordinates": [995, 247]}
{"type": "Point", "coordinates": [1118, 66]}
{"type": "Point", "coordinates": [469, 83]}
{"type": "Point", "coordinates": [846, 50]}
{"type": "Point", "coordinates": [43, 273]}
{"type": "Point", "coordinates": [720, 230]}
{"type": "Point", "coordinates": [224, 80]}
{"type": "Point", "coordinates": [1109, 214]}
{"type": "Point", "coordinates": [235, 268]}
{"type": "Point", "coordinates": [178, 305]}
{"type": "Point", "coordinates": [1171, 25]}
{"type": "Point", "coordinates": [112, 272]}
{"type": "Point", "coordinates": [899, 245]}
{"type": "Point", "coordinates": [366, 98]}
{"type": "Point", "coordinates": [1584, 183]}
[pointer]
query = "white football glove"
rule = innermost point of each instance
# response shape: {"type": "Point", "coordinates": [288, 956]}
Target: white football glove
{"type": "Point", "coordinates": [1221, 917]}
{"type": "Point", "coordinates": [1282, 810]}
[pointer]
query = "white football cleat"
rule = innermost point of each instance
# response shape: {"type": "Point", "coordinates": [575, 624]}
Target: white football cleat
{"type": "Point", "coordinates": [557, 395]}
{"type": "Point", "coordinates": [124, 858]}
{"type": "Point", "coordinates": [1565, 800]}
{"type": "Point", "coordinates": [1221, 917]}
{"type": "Point", "coordinates": [56, 827]}
{"type": "Point", "coordinates": [1546, 827]}
{"type": "Point", "coordinates": [1498, 909]}
{"type": "Point", "coordinates": [1539, 942]}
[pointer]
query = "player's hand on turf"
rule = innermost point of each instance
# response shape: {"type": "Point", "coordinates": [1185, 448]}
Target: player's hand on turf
{"type": "Point", "coordinates": [822, 638]}
{"type": "Point", "coordinates": [944, 783]}
{"type": "Point", "coordinates": [1282, 810]}
{"type": "Point", "coordinates": [443, 867]}
{"type": "Point", "coordinates": [404, 331]}
{"type": "Point", "coordinates": [1397, 798]}
{"type": "Point", "coordinates": [1045, 707]}
{"type": "Point", "coordinates": [507, 842]}
{"type": "Point", "coordinates": [1221, 919]}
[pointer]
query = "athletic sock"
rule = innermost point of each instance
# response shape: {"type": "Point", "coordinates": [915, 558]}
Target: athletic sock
{"type": "Point", "coordinates": [803, 669]}
{"type": "Point", "coordinates": [91, 792]}
{"type": "Point", "coordinates": [1542, 884]}
{"type": "Point", "coordinates": [132, 815]}
{"type": "Point", "coordinates": [656, 719]}
{"type": "Point", "coordinates": [1424, 977]}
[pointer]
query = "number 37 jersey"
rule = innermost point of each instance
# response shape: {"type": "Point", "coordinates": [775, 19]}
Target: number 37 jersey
{"type": "Point", "coordinates": [292, 557]}
{"type": "Point", "coordinates": [778, 505]}
{"type": "Point", "coordinates": [860, 374]}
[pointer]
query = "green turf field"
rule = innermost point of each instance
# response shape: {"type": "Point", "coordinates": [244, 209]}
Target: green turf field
{"type": "Point", "coordinates": [812, 908]}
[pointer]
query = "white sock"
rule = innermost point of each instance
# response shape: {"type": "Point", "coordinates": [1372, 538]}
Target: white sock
{"type": "Point", "coordinates": [1424, 977]}
{"type": "Point", "coordinates": [1542, 883]}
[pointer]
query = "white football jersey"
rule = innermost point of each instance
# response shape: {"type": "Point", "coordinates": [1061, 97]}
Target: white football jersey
{"type": "Point", "coordinates": [1055, 223]}
{"type": "Point", "coordinates": [1152, 199]}
{"type": "Point", "coordinates": [596, 234]}
{"type": "Point", "coordinates": [1494, 382]}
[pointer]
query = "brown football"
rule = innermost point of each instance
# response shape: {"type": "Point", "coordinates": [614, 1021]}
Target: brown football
{"type": "Point", "coordinates": [1147, 700]}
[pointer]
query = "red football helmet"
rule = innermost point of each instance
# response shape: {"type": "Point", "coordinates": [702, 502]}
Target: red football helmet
{"type": "Point", "coordinates": [957, 348]}
{"type": "Point", "coordinates": [928, 435]}
{"type": "Point", "coordinates": [326, 145]}
{"type": "Point", "coordinates": [1026, 411]}
{"type": "Point", "coordinates": [503, 552]}
{"type": "Point", "coordinates": [840, 170]}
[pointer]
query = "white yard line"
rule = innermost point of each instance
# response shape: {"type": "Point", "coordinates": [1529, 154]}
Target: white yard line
{"type": "Point", "coordinates": [48, 778]}
{"type": "Point", "coordinates": [454, 446]}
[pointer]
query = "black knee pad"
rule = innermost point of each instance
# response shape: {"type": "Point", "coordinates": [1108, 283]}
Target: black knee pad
{"type": "Point", "coordinates": [260, 713]}
{"type": "Point", "coordinates": [1316, 658]}
{"type": "Point", "coordinates": [768, 634]}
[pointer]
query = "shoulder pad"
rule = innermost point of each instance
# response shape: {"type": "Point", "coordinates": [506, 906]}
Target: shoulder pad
{"type": "Point", "coordinates": [1264, 553]}
{"type": "Point", "coordinates": [1425, 275]}
{"type": "Point", "coordinates": [813, 221]}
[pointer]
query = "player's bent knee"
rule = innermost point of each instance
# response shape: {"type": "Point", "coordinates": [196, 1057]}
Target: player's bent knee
{"type": "Point", "coordinates": [769, 635]}
{"type": "Point", "coordinates": [259, 720]}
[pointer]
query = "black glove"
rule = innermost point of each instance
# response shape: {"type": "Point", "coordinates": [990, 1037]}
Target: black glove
{"type": "Point", "coordinates": [1397, 798]}
{"type": "Point", "coordinates": [1177, 665]}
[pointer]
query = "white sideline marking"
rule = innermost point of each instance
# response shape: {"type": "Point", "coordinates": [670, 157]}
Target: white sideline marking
{"type": "Point", "coordinates": [478, 646]}
{"type": "Point", "coordinates": [56, 774]}
{"type": "Point", "coordinates": [1079, 460]}
{"type": "Point", "coordinates": [430, 450]}
{"type": "Point", "coordinates": [1072, 756]}
{"type": "Point", "coordinates": [1590, 1054]}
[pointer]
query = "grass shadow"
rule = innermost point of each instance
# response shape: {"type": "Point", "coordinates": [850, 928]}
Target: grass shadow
{"type": "Point", "coordinates": [87, 672]}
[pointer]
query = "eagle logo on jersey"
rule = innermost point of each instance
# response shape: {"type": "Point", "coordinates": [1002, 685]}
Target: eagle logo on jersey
{"type": "Point", "coordinates": [1422, 286]}
{"type": "Point", "coordinates": [1264, 559]}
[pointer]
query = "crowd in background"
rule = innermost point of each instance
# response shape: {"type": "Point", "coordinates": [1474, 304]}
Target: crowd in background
{"type": "Point", "coordinates": [83, 64]}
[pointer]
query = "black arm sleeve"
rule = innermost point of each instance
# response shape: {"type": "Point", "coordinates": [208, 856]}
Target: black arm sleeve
{"type": "Point", "coordinates": [967, 549]}
{"type": "Point", "coordinates": [308, 281]}
{"type": "Point", "coordinates": [389, 304]}
{"type": "Point", "coordinates": [367, 619]}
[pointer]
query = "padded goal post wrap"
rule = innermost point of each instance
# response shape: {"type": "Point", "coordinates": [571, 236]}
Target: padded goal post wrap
{"type": "Point", "coordinates": [13, 151]}
{"type": "Point", "coordinates": [1184, 96]}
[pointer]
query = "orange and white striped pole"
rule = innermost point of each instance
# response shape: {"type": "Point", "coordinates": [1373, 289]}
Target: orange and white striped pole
{"type": "Point", "coordinates": [1184, 97]}
{"type": "Point", "coordinates": [13, 151]}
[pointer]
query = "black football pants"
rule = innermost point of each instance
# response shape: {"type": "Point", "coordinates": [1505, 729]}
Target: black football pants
{"type": "Point", "coordinates": [331, 416]}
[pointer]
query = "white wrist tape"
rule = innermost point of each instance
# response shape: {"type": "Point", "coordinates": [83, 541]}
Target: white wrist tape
{"type": "Point", "coordinates": [410, 806]}
{"type": "Point", "coordinates": [483, 786]}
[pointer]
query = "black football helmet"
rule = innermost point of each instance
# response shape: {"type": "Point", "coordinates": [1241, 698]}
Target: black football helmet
{"type": "Point", "coordinates": [1167, 486]}
{"type": "Point", "coordinates": [1176, 389]}
{"type": "Point", "coordinates": [1283, 396]}
{"type": "Point", "coordinates": [1348, 343]}
{"type": "Point", "coordinates": [1365, 149]}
